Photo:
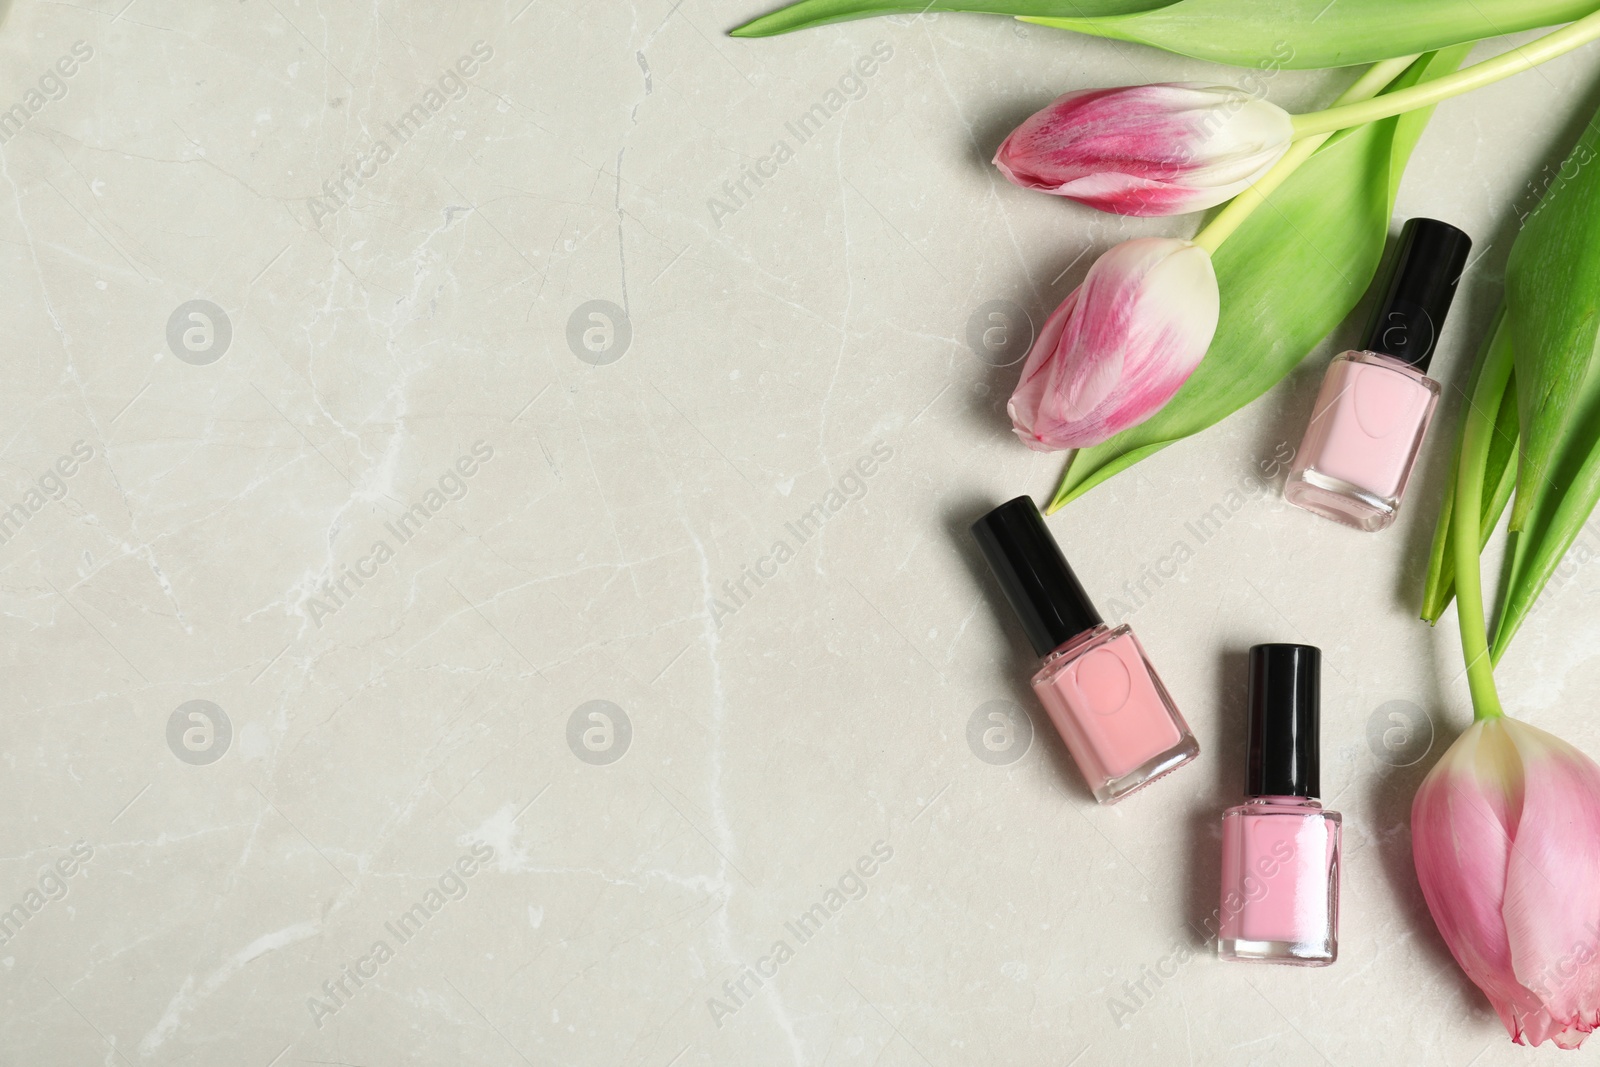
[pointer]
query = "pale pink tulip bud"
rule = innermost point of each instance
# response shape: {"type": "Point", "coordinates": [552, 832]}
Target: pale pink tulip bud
{"type": "Point", "coordinates": [1505, 832]}
{"type": "Point", "coordinates": [1119, 346]}
{"type": "Point", "coordinates": [1163, 149]}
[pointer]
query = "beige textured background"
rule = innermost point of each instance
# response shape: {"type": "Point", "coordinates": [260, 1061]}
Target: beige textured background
{"type": "Point", "coordinates": [385, 739]}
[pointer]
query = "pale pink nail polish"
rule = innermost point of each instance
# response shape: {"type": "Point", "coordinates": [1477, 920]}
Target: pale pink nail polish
{"type": "Point", "coordinates": [1096, 683]}
{"type": "Point", "coordinates": [1280, 850]}
{"type": "Point", "coordinates": [1375, 404]}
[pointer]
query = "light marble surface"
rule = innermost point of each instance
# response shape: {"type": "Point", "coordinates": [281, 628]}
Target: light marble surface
{"type": "Point", "coordinates": [384, 739]}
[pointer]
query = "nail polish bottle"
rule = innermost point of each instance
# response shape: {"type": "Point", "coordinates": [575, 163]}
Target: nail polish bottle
{"type": "Point", "coordinates": [1096, 683]}
{"type": "Point", "coordinates": [1376, 403]}
{"type": "Point", "coordinates": [1280, 850]}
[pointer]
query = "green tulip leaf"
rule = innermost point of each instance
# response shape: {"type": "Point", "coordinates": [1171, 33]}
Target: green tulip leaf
{"type": "Point", "coordinates": [810, 13]}
{"type": "Point", "coordinates": [1288, 276]}
{"type": "Point", "coordinates": [1558, 518]}
{"type": "Point", "coordinates": [1312, 34]}
{"type": "Point", "coordinates": [1299, 34]}
{"type": "Point", "coordinates": [1499, 473]}
{"type": "Point", "coordinates": [1553, 307]}
{"type": "Point", "coordinates": [1553, 302]}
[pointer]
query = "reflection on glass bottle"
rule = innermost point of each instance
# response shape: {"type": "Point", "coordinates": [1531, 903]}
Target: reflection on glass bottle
{"type": "Point", "coordinates": [1096, 682]}
{"type": "Point", "coordinates": [1375, 404]}
{"type": "Point", "coordinates": [1280, 849]}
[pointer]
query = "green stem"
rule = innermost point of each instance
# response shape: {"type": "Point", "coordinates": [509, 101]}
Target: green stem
{"type": "Point", "coordinates": [1476, 76]}
{"type": "Point", "coordinates": [1232, 217]}
{"type": "Point", "coordinates": [1477, 431]}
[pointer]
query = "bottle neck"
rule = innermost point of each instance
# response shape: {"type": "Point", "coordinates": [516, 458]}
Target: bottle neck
{"type": "Point", "coordinates": [1071, 645]}
{"type": "Point", "coordinates": [1285, 802]}
{"type": "Point", "coordinates": [1394, 363]}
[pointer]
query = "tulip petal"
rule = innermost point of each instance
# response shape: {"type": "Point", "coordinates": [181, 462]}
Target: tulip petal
{"type": "Point", "coordinates": [1552, 898]}
{"type": "Point", "coordinates": [1119, 346]}
{"type": "Point", "coordinates": [1161, 149]}
{"type": "Point", "coordinates": [1506, 838]}
{"type": "Point", "coordinates": [1038, 375]}
{"type": "Point", "coordinates": [1461, 842]}
{"type": "Point", "coordinates": [1289, 275]}
{"type": "Point", "coordinates": [1132, 194]}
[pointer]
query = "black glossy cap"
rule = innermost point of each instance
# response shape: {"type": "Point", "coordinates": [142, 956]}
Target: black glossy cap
{"type": "Point", "coordinates": [1034, 574]}
{"type": "Point", "coordinates": [1285, 707]}
{"type": "Point", "coordinates": [1427, 266]}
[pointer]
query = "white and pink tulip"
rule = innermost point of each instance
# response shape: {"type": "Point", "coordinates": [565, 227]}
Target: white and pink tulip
{"type": "Point", "coordinates": [1505, 832]}
{"type": "Point", "coordinates": [1164, 149]}
{"type": "Point", "coordinates": [1119, 346]}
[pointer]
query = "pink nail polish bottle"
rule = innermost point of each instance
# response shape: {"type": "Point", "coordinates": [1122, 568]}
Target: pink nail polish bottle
{"type": "Point", "coordinates": [1376, 403]}
{"type": "Point", "coordinates": [1095, 682]}
{"type": "Point", "coordinates": [1280, 850]}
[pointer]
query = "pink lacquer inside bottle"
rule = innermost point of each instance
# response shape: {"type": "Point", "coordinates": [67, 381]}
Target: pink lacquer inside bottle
{"type": "Point", "coordinates": [1375, 404]}
{"type": "Point", "coordinates": [1096, 683]}
{"type": "Point", "coordinates": [1280, 849]}
{"type": "Point", "coordinates": [1365, 435]}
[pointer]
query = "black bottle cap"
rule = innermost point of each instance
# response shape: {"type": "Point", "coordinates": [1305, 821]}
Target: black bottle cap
{"type": "Point", "coordinates": [1034, 574]}
{"type": "Point", "coordinates": [1427, 266]}
{"type": "Point", "coordinates": [1285, 704]}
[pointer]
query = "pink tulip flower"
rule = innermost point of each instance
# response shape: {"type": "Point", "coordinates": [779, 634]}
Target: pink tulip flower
{"type": "Point", "coordinates": [1119, 346]}
{"type": "Point", "coordinates": [1505, 832]}
{"type": "Point", "coordinates": [1162, 149]}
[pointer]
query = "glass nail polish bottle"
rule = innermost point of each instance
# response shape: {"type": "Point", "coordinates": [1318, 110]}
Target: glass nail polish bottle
{"type": "Point", "coordinates": [1096, 683]}
{"type": "Point", "coordinates": [1280, 850]}
{"type": "Point", "coordinates": [1375, 405]}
